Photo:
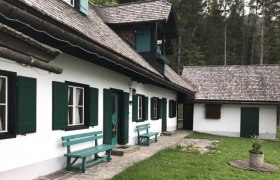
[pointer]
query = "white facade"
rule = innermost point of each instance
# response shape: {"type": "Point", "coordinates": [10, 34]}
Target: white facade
{"type": "Point", "coordinates": [230, 122]}
{"type": "Point", "coordinates": [40, 153]}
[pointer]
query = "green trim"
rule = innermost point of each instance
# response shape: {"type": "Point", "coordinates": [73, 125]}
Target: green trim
{"type": "Point", "coordinates": [126, 119]}
{"type": "Point", "coordinates": [107, 116]}
{"type": "Point", "coordinates": [26, 105]}
{"type": "Point", "coordinates": [135, 108]}
{"type": "Point", "coordinates": [60, 106]}
{"type": "Point", "coordinates": [163, 58]}
{"type": "Point", "coordinates": [93, 108]}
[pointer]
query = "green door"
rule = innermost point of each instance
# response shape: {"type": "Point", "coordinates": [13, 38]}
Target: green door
{"type": "Point", "coordinates": [114, 119]}
{"type": "Point", "coordinates": [164, 115]}
{"type": "Point", "coordinates": [249, 122]}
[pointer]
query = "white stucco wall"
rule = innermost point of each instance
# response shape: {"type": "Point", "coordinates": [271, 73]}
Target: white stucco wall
{"type": "Point", "coordinates": [230, 121]}
{"type": "Point", "coordinates": [40, 153]}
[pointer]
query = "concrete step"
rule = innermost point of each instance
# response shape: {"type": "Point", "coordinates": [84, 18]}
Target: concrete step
{"type": "Point", "coordinates": [122, 150]}
{"type": "Point", "coordinates": [168, 133]}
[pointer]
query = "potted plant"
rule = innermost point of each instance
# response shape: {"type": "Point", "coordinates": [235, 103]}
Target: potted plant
{"type": "Point", "coordinates": [256, 156]}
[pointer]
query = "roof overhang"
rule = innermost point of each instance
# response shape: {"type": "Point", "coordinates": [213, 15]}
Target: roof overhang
{"type": "Point", "coordinates": [48, 31]}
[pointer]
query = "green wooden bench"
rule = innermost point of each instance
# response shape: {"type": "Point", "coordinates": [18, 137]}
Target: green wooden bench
{"type": "Point", "coordinates": [82, 154]}
{"type": "Point", "coordinates": [145, 138]}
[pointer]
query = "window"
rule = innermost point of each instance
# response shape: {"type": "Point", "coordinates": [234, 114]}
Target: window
{"type": "Point", "coordinates": [172, 108]}
{"type": "Point", "coordinates": [70, 2]}
{"type": "Point", "coordinates": [3, 104]}
{"type": "Point", "coordinates": [76, 107]}
{"type": "Point", "coordinates": [155, 108]}
{"type": "Point", "coordinates": [212, 111]}
{"type": "Point", "coordinates": [155, 111]}
{"type": "Point", "coordinates": [140, 107]}
{"type": "Point", "coordinates": [7, 105]}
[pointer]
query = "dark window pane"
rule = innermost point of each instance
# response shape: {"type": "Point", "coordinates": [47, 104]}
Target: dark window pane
{"type": "Point", "coordinates": [2, 90]}
{"type": "Point", "coordinates": [79, 115]}
{"type": "Point", "coordinates": [80, 96]}
{"type": "Point", "coordinates": [2, 118]}
{"type": "Point", "coordinates": [212, 111]}
{"type": "Point", "coordinates": [70, 96]}
{"type": "Point", "coordinates": [70, 115]}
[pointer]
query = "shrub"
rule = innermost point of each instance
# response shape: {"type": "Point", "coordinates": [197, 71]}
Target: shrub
{"type": "Point", "coordinates": [256, 145]}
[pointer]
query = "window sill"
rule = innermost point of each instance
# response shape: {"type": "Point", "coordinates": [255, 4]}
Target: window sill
{"type": "Point", "coordinates": [7, 135]}
{"type": "Point", "coordinates": [73, 128]}
{"type": "Point", "coordinates": [140, 120]}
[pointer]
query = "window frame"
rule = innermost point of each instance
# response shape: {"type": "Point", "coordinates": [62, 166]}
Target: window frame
{"type": "Point", "coordinates": [86, 110]}
{"type": "Point", "coordinates": [140, 107]}
{"type": "Point", "coordinates": [11, 109]}
{"type": "Point", "coordinates": [5, 104]}
{"type": "Point", "coordinates": [75, 105]}
{"type": "Point", "coordinates": [213, 111]}
{"type": "Point", "coordinates": [155, 110]}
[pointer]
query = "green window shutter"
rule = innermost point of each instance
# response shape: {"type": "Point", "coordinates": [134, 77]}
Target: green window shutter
{"type": "Point", "coordinates": [134, 108]}
{"type": "Point", "coordinates": [26, 105]}
{"type": "Point", "coordinates": [93, 106]}
{"type": "Point", "coordinates": [145, 108]}
{"type": "Point", "coordinates": [107, 116]}
{"type": "Point", "coordinates": [174, 108]}
{"type": "Point", "coordinates": [170, 109]}
{"type": "Point", "coordinates": [152, 108]}
{"type": "Point", "coordinates": [59, 105]}
{"type": "Point", "coordinates": [84, 7]}
{"type": "Point", "coordinates": [126, 119]}
{"type": "Point", "coordinates": [159, 109]}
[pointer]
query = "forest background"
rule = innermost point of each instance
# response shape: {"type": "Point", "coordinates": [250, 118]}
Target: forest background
{"type": "Point", "coordinates": [223, 32]}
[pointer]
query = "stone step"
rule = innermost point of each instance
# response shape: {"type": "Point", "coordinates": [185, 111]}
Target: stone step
{"type": "Point", "coordinates": [122, 150]}
{"type": "Point", "coordinates": [168, 133]}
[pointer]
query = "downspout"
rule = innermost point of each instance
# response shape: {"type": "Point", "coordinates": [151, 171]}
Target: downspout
{"type": "Point", "coordinates": [28, 60]}
{"type": "Point", "coordinates": [43, 26]}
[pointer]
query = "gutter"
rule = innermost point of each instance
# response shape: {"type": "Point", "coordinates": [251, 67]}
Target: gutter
{"type": "Point", "coordinates": [13, 13]}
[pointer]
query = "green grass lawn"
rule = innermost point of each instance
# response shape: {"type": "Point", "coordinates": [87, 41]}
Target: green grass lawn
{"type": "Point", "coordinates": [174, 164]}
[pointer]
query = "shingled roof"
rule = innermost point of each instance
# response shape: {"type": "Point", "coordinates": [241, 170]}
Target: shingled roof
{"type": "Point", "coordinates": [91, 26]}
{"type": "Point", "coordinates": [172, 76]}
{"type": "Point", "coordinates": [143, 11]}
{"type": "Point", "coordinates": [236, 83]}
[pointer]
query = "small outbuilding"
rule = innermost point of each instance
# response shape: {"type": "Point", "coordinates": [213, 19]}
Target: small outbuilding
{"type": "Point", "coordinates": [234, 100]}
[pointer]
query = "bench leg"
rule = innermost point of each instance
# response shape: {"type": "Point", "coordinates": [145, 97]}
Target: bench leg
{"type": "Point", "coordinates": [84, 165]}
{"type": "Point", "coordinates": [156, 140]}
{"type": "Point", "coordinates": [148, 142]}
{"type": "Point", "coordinates": [68, 167]}
{"type": "Point", "coordinates": [109, 155]}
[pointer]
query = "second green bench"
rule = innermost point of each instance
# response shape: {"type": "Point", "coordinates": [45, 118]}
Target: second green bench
{"type": "Point", "coordinates": [146, 137]}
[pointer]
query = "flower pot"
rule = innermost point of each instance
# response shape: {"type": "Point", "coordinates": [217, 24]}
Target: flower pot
{"type": "Point", "coordinates": [256, 160]}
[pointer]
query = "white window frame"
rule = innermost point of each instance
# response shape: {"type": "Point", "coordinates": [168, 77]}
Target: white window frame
{"type": "Point", "coordinates": [70, 2]}
{"type": "Point", "coordinates": [155, 108]}
{"type": "Point", "coordinates": [75, 105]}
{"type": "Point", "coordinates": [140, 107]}
{"type": "Point", "coordinates": [5, 104]}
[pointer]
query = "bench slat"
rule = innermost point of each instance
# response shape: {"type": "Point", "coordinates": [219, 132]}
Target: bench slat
{"type": "Point", "coordinates": [150, 134]}
{"type": "Point", "coordinates": [81, 140]}
{"type": "Point", "coordinates": [81, 135]}
{"type": "Point", "coordinates": [89, 151]}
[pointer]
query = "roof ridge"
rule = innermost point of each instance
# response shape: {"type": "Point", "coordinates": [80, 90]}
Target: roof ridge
{"type": "Point", "coordinates": [131, 3]}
